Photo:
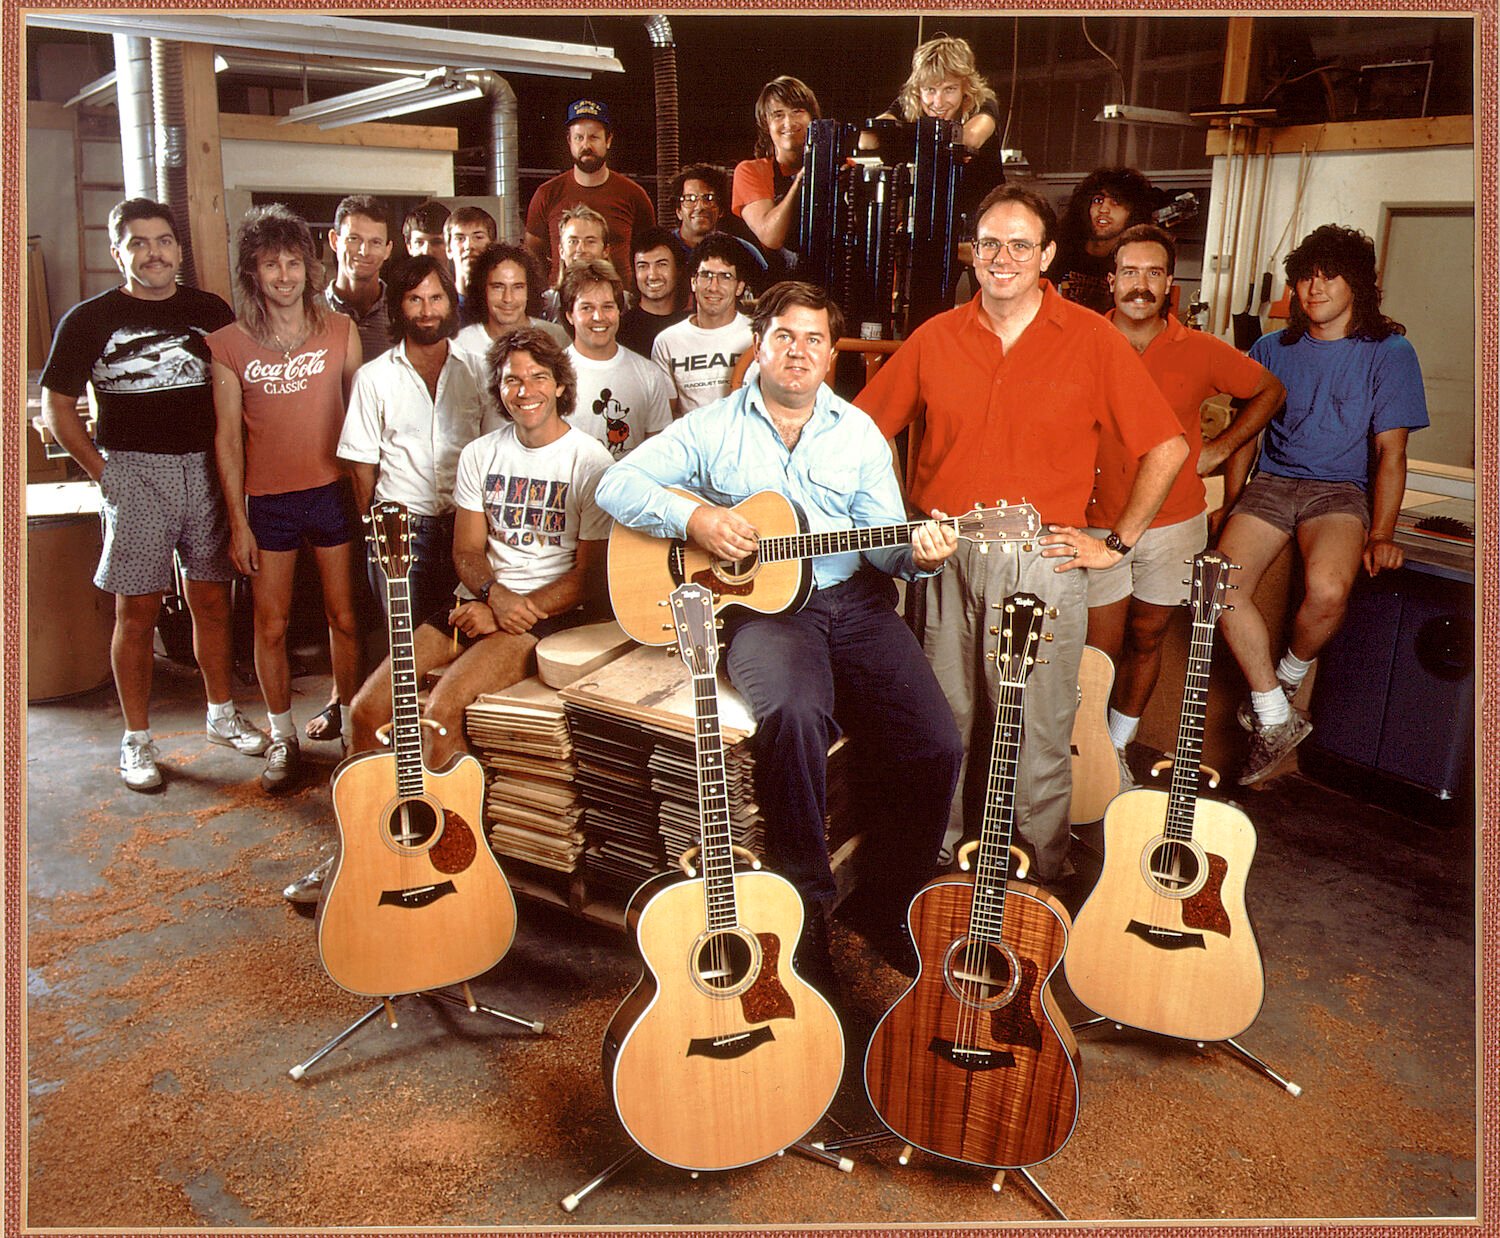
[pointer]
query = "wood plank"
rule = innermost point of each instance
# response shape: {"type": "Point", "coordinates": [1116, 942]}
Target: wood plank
{"type": "Point", "coordinates": [207, 222]}
{"type": "Point", "coordinates": [1239, 55]}
{"type": "Point", "coordinates": [1409, 133]}
{"type": "Point", "coordinates": [240, 127]}
{"type": "Point", "coordinates": [43, 115]}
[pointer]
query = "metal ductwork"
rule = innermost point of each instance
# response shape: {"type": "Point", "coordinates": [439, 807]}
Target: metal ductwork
{"type": "Point", "coordinates": [664, 71]}
{"type": "Point", "coordinates": [171, 145]}
{"type": "Point", "coordinates": [504, 142]}
{"type": "Point", "coordinates": [133, 92]}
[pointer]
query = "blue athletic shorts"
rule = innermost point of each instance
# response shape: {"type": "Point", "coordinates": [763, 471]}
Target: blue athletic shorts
{"type": "Point", "coordinates": [282, 521]}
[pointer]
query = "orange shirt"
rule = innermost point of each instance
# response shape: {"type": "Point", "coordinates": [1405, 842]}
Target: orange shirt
{"type": "Point", "coordinates": [1019, 425]}
{"type": "Point", "coordinates": [1188, 367]}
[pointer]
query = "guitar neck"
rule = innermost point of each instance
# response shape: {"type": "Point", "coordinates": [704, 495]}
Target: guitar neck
{"type": "Point", "coordinates": [992, 869]}
{"type": "Point", "coordinates": [1183, 797]}
{"type": "Point", "coordinates": [406, 713]}
{"type": "Point", "coordinates": [716, 858]}
{"type": "Point", "coordinates": [841, 541]}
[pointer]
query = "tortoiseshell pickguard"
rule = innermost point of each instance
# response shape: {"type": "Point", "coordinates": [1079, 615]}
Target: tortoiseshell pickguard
{"type": "Point", "coordinates": [720, 587]}
{"type": "Point", "coordinates": [1205, 909]}
{"type": "Point", "coordinates": [456, 849]}
{"type": "Point", "coordinates": [766, 999]}
{"type": "Point", "coordinates": [1013, 1024]}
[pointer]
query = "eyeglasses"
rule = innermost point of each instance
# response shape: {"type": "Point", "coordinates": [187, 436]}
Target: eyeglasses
{"type": "Point", "coordinates": [708, 199]}
{"type": "Point", "coordinates": [719, 277]}
{"type": "Point", "coordinates": [988, 248]}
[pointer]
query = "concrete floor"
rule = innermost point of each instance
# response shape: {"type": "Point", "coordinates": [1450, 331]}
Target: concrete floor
{"type": "Point", "coordinates": [170, 988]}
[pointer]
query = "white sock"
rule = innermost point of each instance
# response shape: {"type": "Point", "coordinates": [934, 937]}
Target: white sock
{"type": "Point", "coordinates": [1122, 728]}
{"type": "Point", "coordinates": [140, 737]}
{"type": "Point", "coordinates": [1272, 708]}
{"type": "Point", "coordinates": [282, 726]}
{"type": "Point", "coordinates": [220, 709]}
{"type": "Point", "coordinates": [1293, 669]}
{"type": "Point", "coordinates": [346, 721]}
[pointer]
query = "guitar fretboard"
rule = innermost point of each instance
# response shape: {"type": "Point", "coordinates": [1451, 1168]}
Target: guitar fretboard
{"type": "Point", "coordinates": [992, 870]}
{"type": "Point", "coordinates": [1182, 800]}
{"type": "Point", "coordinates": [841, 541]}
{"type": "Point", "coordinates": [715, 856]}
{"type": "Point", "coordinates": [406, 712]}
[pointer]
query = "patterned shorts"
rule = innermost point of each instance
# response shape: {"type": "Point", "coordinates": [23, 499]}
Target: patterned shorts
{"type": "Point", "coordinates": [154, 504]}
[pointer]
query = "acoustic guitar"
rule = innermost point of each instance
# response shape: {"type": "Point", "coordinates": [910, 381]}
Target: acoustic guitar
{"type": "Point", "coordinates": [644, 569]}
{"type": "Point", "coordinates": [1096, 769]}
{"type": "Point", "coordinates": [1164, 942]}
{"type": "Point", "coordinates": [974, 1062]}
{"type": "Point", "coordinates": [722, 1055]}
{"type": "Point", "coordinates": [416, 899]}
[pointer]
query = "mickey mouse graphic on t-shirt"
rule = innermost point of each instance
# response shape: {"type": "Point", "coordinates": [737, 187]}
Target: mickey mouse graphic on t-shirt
{"type": "Point", "coordinates": [613, 412]}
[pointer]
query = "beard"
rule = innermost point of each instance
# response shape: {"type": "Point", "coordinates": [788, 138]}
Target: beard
{"type": "Point", "coordinates": [426, 335]}
{"type": "Point", "coordinates": [588, 161]}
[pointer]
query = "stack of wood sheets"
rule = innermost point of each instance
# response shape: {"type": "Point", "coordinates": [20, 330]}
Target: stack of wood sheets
{"type": "Point", "coordinates": [532, 807]}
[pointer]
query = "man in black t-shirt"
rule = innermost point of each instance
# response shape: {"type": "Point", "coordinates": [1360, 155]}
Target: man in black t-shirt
{"type": "Point", "coordinates": [141, 347]}
{"type": "Point", "coordinates": [1106, 202]}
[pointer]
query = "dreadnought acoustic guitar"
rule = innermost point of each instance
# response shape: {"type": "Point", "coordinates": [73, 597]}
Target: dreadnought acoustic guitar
{"type": "Point", "coordinates": [722, 1055]}
{"type": "Point", "coordinates": [1096, 769]}
{"type": "Point", "coordinates": [416, 899]}
{"type": "Point", "coordinates": [644, 569]}
{"type": "Point", "coordinates": [974, 1062]}
{"type": "Point", "coordinates": [1164, 941]}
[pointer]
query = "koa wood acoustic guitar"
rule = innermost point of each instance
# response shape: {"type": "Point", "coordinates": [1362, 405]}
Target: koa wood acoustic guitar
{"type": "Point", "coordinates": [722, 1055]}
{"type": "Point", "coordinates": [416, 899]}
{"type": "Point", "coordinates": [644, 569]}
{"type": "Point", "coordinates": [974, 1062]}
{"type": "Point", "coordinates": [1164, 942]}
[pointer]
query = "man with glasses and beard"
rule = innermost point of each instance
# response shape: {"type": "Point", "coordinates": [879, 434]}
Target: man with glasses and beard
{"type": "Point", "coordinates": [1016, 389]}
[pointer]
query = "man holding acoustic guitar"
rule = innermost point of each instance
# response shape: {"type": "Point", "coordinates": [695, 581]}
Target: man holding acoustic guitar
{"type": "Point", "coordinates": [845, 661]}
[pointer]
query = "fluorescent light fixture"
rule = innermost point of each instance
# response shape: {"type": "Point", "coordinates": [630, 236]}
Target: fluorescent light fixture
{"type": "Point", "coordinates": [310, 33]}
{"type": "Point", "coordinates": [101, 91]}
{"type": "Point", "coordinates": [1129, 114]}
{"type": "Point", "coordinates": [437, 88]}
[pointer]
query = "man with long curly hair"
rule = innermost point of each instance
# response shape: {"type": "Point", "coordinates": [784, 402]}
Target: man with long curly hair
{"type": "Point", "coordinates": [1106, 202]}
{"type": "Point", "coordinates": [1331, 474]}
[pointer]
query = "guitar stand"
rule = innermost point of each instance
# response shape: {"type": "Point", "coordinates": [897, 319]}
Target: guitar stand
{"type": "Point", "coordinates": [386, 1004]}
{"type": "Point", "coordinates": [996, 1183]}
{"type": "Point", "coordinates": [813, 1151]}
{"type": "Point", "coordinates": [1229, 1042]}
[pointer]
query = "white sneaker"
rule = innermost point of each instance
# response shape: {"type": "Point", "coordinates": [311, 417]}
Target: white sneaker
{"type": "Point", "coordinates": [138, 765]}
{"type": "Point", "coordinates": [238, 732]}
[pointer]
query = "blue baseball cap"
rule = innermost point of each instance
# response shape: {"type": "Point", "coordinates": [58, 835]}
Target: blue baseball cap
{"type": "Point", "coordinates": [588, 109]}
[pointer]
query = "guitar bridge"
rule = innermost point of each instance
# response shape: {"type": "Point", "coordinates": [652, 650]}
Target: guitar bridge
{"type": "Point", "coordinates": [1165, 938]}
{"type": "Point", "coordinates": [727, 1048]}
{"type": "Point", "coordinates": [971, 1059]}
{"type": "Point", "coordinates": [417, 896]}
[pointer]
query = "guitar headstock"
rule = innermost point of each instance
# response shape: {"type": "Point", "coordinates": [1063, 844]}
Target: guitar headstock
{"type": "Point", "coordinates": [389, 536]}
{"type": "Point", "coordinates": [1209, 584]}
{"type": "Point", "coordinates": [696, 628]}
{"type": "Point", "coordinates": [1019, 632]}
{"type": "Point", "coordinates": [1005, 524]}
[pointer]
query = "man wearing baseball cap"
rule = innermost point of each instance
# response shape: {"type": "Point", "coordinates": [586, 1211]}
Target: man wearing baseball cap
{"type": "Point", "coordinates": [623, 203]}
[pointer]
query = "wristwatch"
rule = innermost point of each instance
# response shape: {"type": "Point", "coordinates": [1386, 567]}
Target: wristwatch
{"type": "Point", "coordinates": [1114, 543]}
{"type": "Point", "coordinates": [484, 594]}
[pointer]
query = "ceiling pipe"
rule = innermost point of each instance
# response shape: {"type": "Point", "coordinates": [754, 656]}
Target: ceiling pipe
{"type": "Point", "coordinates": [504, 142]}
{"type": "Point", "coordinates": [664, 71]}
{"type": "Point", "coordinates": [171, 145]}
{"type": "Point", "coordinates": [133, 91]}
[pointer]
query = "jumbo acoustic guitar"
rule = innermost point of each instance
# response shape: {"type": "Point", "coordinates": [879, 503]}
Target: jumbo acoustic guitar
{"type": "Point", "coordinates": [1164, 941]}
{"type": "Point", "coordinates": [416, 899]}
{"type": "Point", "coordinates": [974, 1062]}
{"type": "Point", "coordinates": [722, 1055]}
{"type": "Point", "coordinates": [644, 569]}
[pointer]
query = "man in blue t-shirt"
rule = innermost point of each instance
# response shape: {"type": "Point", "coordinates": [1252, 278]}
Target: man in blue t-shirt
{"type": "Point", "coordinates": [1332, 471]}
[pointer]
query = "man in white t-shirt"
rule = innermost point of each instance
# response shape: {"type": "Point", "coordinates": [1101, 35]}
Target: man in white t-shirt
{"type": "Point", "coordinates": [528, 546]}
{"type": "Point", "coordinates": [622, 398]}
{"type": "Point", "coordinates": [699, 353]}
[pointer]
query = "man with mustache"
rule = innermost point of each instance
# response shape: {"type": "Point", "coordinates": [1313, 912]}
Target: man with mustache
{"type": "Point", "coordinates": [1132, 602]}
{"type": "Point", "coordinates": [699, 353]}
{"type": "Point", "coordinates": [626, 207]}
{"type": "Point", "coordinates": [702, 196]}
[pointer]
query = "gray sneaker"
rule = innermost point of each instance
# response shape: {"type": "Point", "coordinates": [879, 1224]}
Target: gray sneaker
{"type": "Point", "coordinates": [308, 889]}
{"type": "Point", "coordinates": [239, 733]}
{"type": "Point", "coordinates": [1127, 779]}
{"type": "Point", "coordinates": [283, 763]}
{"type": "Point", "coordinates": [1245, 715]}
{"type": "Point", "coordinates": [1270, 744]}
{"type": "Point", "coordinates": [138, 765]}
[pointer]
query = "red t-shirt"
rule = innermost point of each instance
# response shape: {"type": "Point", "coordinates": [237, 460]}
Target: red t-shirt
{"type": "Point", "coordinates": [1023, 425]}
{"type": "Point", "coordinates": [1188, 367]}
{"type": "Point", "coordinates": [293, 408]}
{"type": "Point", "coordinates": [620, 200]}
{"type": "Point", "coordinates": [754, 181]}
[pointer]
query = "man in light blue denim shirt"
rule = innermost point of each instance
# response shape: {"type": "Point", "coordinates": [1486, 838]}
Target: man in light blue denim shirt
{"type": "Point", "coordinates": [845, 661]}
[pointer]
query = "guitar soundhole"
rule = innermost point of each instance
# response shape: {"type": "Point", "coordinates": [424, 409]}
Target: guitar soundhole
{"type": "Point", "coordinates": [1173, 867]}
{"type": "Point", "coordinates": [725, 963]}
{"type": "Point", "coordinates": [984, 975]}
{"type": "Point", "coordinates": [412, 824]}
{"type": "Point", "coordinates": [737, 571]}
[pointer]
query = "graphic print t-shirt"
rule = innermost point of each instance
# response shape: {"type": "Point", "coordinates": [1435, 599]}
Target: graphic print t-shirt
{"type": "Point", "coordinates": [622, 401]}
{"type": "Point", "coordinates": [538, 503]}
{"type": "Point", "coordinates": [148, 363]}
{"type": "Point", "coordinates": [701, 363]}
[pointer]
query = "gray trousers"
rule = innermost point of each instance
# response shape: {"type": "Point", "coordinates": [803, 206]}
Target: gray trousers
{"type": "Point", "coordinates": [955, 625]}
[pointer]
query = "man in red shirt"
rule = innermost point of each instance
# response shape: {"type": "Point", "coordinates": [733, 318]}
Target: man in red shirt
{"type": "Point", "coordinates": [1132, 603]}
{"type": "Point", "coordinates": [625, 205]}
{"type": "Point", "coordinates": [1016, 388]}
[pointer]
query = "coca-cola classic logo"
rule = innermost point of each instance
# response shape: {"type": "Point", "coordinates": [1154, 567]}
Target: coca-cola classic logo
{"type": "Point", "coordinates": [301, 367]}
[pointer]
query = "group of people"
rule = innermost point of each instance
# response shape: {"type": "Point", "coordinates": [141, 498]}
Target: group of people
{"type": "Point", "coordinates": [515, 440]}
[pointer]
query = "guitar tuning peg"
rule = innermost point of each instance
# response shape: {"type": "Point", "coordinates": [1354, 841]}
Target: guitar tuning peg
{"type": "Point", "coordinates": [1223, 607]}
{"type": "Point", "coordinates": [1043, 662]}
{"type": "Point", "coordinates": [995, 631]}
{"type": "Point", "coordinates": [1025, 545]}
{"type": "Point", "coordinates": [663, 603]}
{"type": "Point", "coordinates": [1051, 613]}
{"type": "Point", "coordinates": [667, 627]}
{"type": "Point", "coordinates": [1187, 582]}
{"type": "Point", "coordinates": [984, 548]}
{"type": "Point", "coordinates": [990, 656]}
{"type": "Point", "coordinates": [1046, 636]}
{"type": "Point", "coordinates": [718, 625]}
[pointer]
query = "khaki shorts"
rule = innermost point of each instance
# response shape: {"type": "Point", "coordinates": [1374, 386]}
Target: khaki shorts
{"type": "Point", "coordinates": [1156, 568]}
{"type": "Point", "coordinates": [1285, 502]}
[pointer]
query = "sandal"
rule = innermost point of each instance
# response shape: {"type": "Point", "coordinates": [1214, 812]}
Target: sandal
{"type": "Point", "coordinates": [325, 725]}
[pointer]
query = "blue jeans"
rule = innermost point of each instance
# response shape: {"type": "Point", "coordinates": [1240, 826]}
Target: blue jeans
{"type": "Point", "coordinates": [432, 578]}
{"type": "Point", "coordinates": [847, 663]}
